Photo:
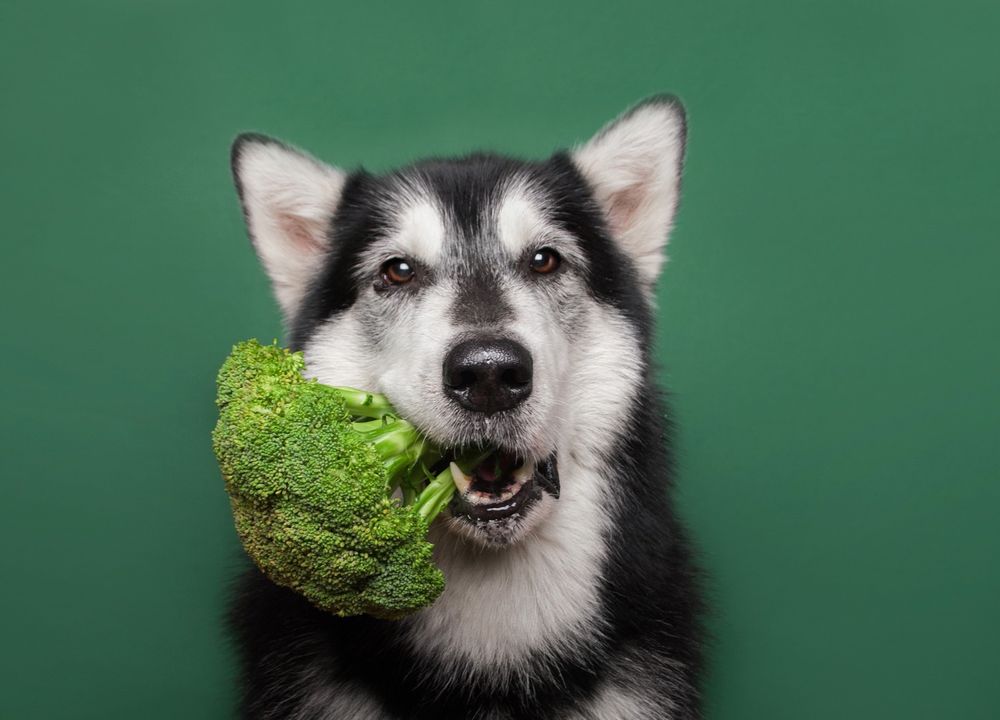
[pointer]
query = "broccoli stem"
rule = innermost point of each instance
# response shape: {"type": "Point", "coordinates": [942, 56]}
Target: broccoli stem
{"type": "Point", "coordinates": [435, 497]}
{"type": "Point", "coordinates": [390, 437]}
{"type": "Point", "coordinates": [364, 404]}
{"type": "Point", "coordinates": [404, 452]}
{"type": "Point", "coordinates": [398, 444]}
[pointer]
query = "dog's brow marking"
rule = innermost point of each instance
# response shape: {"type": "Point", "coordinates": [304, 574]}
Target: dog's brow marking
{"type": "Point", "coordinates": [520, 221]}
{"type": "Point", "coordinates": [421, 231]}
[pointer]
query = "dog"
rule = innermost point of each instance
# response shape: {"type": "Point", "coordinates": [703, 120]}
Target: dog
{"type": "Point", "coordinates": [506, 303]}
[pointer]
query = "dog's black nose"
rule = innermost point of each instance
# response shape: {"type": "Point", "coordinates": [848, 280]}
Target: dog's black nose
{"type": "Point", "coordinates": [488, 376]}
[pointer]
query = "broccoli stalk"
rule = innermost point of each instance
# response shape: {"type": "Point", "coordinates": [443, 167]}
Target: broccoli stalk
{"type": "Point", "coordinates": [331, 490]}
{"type": "Point", "coordinates": [405, 454]}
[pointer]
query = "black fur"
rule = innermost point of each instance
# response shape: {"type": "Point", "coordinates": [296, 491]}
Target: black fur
{"type": "Point", "coordinates": [650, 595]}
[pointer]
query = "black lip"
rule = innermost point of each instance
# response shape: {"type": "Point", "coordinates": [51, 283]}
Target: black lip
{"type": "Point", "coordinates": [524, 498]}
{"type": "Point", "coordinates": [547, 475]}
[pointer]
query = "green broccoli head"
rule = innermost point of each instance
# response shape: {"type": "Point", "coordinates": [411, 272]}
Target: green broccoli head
{"type": "Point", "coordinates": [310, 471]}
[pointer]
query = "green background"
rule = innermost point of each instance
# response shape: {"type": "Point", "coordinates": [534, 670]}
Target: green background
{"type": "Point", "coordinates": [828, 320]}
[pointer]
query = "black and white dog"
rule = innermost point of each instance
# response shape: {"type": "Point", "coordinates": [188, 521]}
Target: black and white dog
{"type": "Point", "coordinates": [508, 303]}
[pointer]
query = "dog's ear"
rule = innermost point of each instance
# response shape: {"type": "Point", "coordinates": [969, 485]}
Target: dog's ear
{"type": "Point", "coordinates": [634, 167]}
{"type": "Point", "coordinates": [289, 199]}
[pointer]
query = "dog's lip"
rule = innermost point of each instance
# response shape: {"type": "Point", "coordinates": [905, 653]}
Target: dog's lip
{"type": "Point", "coordinates": [547, 475]}
{"type": "Point", "coordinates": [466, 507]}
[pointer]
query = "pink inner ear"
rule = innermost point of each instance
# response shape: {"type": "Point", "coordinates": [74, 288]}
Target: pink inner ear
{"type": "Point", "coordinates": [306, 235]}
{"type": "Point", "coordinates": [623, 207]}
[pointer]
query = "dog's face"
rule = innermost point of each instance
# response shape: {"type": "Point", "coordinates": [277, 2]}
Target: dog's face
{"type": "Point", "coordinates": [497, 303]}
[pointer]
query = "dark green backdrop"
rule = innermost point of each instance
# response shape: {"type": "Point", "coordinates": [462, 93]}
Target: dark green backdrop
{"type": "Point", "coordinates": [828, 319]}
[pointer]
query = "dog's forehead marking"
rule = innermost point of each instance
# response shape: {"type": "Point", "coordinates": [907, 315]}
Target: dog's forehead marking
{"type": "Point", "coordinates": [420, 230]}
{"type": "Point", "coordinates": [521, 219]}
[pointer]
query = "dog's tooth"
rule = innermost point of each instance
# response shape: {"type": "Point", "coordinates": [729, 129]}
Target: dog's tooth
{"type": "Point", "coordinates": [524, 473]}
{"type": "Point", "coordinates": [462, 481]}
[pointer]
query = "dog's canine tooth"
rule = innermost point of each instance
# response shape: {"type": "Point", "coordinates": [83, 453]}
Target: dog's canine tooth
{"type": "Point", "coordinates": [462, 481]}
{"type": "Point", "coordinates": [524, 473]}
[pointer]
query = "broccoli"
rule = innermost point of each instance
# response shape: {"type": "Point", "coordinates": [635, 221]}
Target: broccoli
{"type": "Point", "coordinates": [311, 472]}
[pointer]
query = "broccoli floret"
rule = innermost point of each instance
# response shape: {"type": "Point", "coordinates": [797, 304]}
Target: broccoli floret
{"type": "Point", "coordinates": [311, 471]}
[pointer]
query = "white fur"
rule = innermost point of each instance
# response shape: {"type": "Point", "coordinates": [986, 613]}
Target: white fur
{"type": "Point", "coordinates": [520, 224]}
{"type": "Point", "coordinates": [339, 353]}
{"type": "Point", "coordinates": [410, 361]}
{"type": "Point", "coordinates": [289, 199]}
{"type": "Point", "coordinates": [634, 166]}
{"type": "Point", "coordinates": [540, 595]}
{"type": "Point", "coordinates": [336, 701]}
{"type": "Point", "coordinates": [421, 232]}
{"type": "Point", "coordinates": [624, 703]}
{"type": "Point", "coordinates": [630, 690]}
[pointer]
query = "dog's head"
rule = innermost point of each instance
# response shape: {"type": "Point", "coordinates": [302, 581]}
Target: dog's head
{"type": "Point", "coordinates": [494, 301]}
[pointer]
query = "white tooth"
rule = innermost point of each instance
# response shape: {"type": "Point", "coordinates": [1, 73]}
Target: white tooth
{"type": "Point", "coordinates": [462, 481]}
{"type": "Point", "coordinates": [524, 473]}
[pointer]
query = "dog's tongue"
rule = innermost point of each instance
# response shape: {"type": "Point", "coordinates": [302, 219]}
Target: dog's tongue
{"type": "Point", "coordinates": [497, 467]}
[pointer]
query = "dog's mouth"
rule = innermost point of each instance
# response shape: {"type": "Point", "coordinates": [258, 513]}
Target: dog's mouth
{"type": "Point", "coordinates": [501, 489]}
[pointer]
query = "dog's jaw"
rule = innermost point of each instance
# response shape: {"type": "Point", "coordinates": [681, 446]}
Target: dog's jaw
{"type": "Point", "coordinates": [501, 533]}
{"type": "Point", "coordinates": [504, 601]}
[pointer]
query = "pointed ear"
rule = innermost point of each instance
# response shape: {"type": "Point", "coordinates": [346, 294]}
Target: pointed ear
{"type": "Point", "coordinates": [634, 167]}
{"type": "Point", "coordinates": [289, 199]}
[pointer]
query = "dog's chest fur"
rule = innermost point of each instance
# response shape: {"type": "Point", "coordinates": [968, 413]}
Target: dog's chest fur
{"type": "Point", "coordinates": [604, 626]}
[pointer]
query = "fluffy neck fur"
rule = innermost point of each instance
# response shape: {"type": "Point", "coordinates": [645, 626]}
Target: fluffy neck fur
{"type": "Point", "coordinates": [645, 606]}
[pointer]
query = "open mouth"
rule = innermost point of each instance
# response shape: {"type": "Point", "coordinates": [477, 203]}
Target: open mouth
{"type": "Point", "coordinates": [502, 486]}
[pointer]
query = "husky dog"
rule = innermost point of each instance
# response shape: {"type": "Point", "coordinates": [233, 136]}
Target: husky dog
{"type": "Point", "coordinates": [505, 303]}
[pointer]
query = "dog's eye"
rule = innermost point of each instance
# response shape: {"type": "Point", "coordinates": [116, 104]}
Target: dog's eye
{"type": "Point", "coordinates": [397, 271]}
{"type": "Point", "coordinates": [545, 261]}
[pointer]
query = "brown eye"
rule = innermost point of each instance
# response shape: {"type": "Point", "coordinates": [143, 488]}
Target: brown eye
{"type": "Point", "coordinates": [397, 271]}
{"type": "Point", "coordinates": [545, 261]}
